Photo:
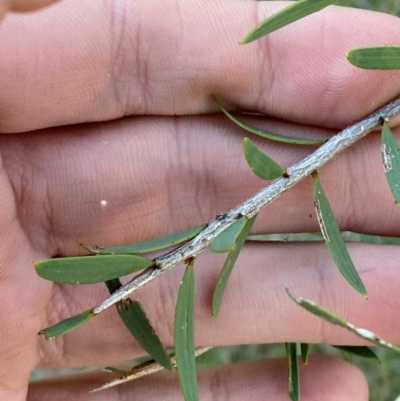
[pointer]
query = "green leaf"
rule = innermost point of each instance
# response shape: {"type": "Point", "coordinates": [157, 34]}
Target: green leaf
{"type": "Point", "coordinates": [333, 238]}
{"type": "Point", "coordinates": [184, 336]}
{"type": "Point", "coordinates": [364, 352]}
{"type": "Point", "coordinates": [391, 161]}
{"type": "Point", "coordinates": [261, 164]}
{"type": "Point", "coordinates": [305, 352]}
{"type": "Point", "coordinates": [137, 322]}
{"type": "Point", "coordinates": [265, 134]}
{"type": "Point", "coordinates": [331, 317]}
{"type": "Point", "coordinates": [116, 371]}
{"type": "Point", "coordinates": [148, 246]}
{"type": "Point", "coordinates": [228, 267]}
{"type": "Point", "coordinates": [294, 376]}
{"type": "Point", "coordinates": [290, 14]}
{"type": "Point", "coordinates": [347, 236]}
{"type": "Point", "coordinates": [90, 269]}
{"type": "Point", "coordinates": [67, 325]}
{"type": "Point", "coordinates": [375, 58]}
{"type": "Point", "coordinates": [226, 241]}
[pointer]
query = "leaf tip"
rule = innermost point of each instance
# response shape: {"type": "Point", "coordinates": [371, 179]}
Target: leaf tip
{"type": "Point", "coordinates": [67, 325]}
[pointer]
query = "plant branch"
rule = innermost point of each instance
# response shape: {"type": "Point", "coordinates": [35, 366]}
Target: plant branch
{"type": "Point", "coordinates": [253, 205]}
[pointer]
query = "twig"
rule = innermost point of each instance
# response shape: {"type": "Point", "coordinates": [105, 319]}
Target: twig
{"type": "Point", "coordinates": [253, 205]}
{"type": "Point", "coordinates": [145, 369]}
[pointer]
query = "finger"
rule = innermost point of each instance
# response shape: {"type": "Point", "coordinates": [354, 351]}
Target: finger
{"type": "Point", "coordinates": [94, 61]}
{"type": "Point", "coordinates": [23, 299]}
{"type": "Point", "coordinates": [266, 380]}
{"type": "Point", "coordinates": [29, 5]}
{"type": "Point", "coordinates": [22, 5]}
{"type": "Point", "coordinates": [70, 175]}
{"type": "Point", "coordinates": [255, 307]}
{"type": "Point", "coordinates": [98, 184]}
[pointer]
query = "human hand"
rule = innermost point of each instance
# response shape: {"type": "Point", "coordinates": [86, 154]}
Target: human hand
{"type": "Point", "coordinates": [172, 165]}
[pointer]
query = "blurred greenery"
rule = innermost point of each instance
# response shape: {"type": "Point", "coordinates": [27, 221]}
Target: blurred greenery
{"type": "Point", "coordinates": [384, 378]}
{"type": "Point", "coordinates": [385, 6]}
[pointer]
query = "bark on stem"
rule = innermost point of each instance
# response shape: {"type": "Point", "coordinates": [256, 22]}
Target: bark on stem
{"type": "Point", "coordinates": [253, 205]}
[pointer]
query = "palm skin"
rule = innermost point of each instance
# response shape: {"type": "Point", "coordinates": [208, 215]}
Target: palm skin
{"type": "Point", "coordinates": [152, 149]}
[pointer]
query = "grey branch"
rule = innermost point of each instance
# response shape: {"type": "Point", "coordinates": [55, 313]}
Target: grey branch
{"type": "Point", "coordinates": [253, 205]}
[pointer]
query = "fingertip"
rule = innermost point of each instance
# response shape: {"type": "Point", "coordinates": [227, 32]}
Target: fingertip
{"type": "Point", "coordinates": [29, 5]}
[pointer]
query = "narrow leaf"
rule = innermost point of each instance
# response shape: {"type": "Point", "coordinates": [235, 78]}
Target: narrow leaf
{"type": "Point", "coordinates": [90, 269]}
{"type": "Point", "coordinates": [290, 14]}
{"type": "Point", "coordinates": [116, 371]}
{"type": "Point", "coordinates": [364, 352]}
{"type": "Point", "coordinates": [261, 164]}
{"type": "Point", "coordinates": [375, 58]}
{"type": "Point", "coordinates": [228, 267]}
{"type": "Point", "coordinates": [391, 161]}
{"type": "Point", "coordinates": [226, 241]}
{"type": "Point", "coordinates": [294, 377]}
{"type": "Point", "coordinates": [148, 246]}
{"type": "Point", "coordinates": [184, 336]}
{"type": "Point", "coordinates": [137, 322]}
{"type": "Point", "coordinates": [67, 325]}
{"type": "Point", "coordinates": [347, 236]}
{"type": "Point", "coordinates": [331, 317]}
{"type": "Point", "coordinates": [305, 351]}
{"type": "Point", "coordinates": [266, 134]}
{"type": "Point", "coordinates": [333, 238]}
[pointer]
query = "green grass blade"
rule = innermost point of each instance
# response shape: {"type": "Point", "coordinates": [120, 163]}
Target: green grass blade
{"type": "Point", "coordinates": [90, 269]}
{"type": "Point", "coordinates": [228, 267]}
{"type": "Point", "coordinates": [348, 236]}
{"type": "Point", "coordinates": [67, 325]}
{"type": "Point", "coordinates": [184, 336]}
{"type": "Point", "coordinates": [290, 14]}
{"type": "Point", "coordinates": [364, 352]}
{"type": "Point", "coordinates": [294, 374]}
{"type": "Point", "coordinates": [137, 322]}
{"type": "Point", "coordinates": [391, 161]}
{"type": "Point", "coordinates": [375, 58]}
{"type": "Point", "coordinates": [147, 246]}
{"type": "Point", "coordinates": [261, 164]}
{"type": "Point", "coordinates": [331, 317]}
{"type": "Point", "coordinates": [305, 352]}
{"type": "Point", "coordinates": [265, 134]}
{"type": "Point", "coordinates": [334, 240]}
{"type": "Point", "coordinates": [286, 237]}
{"type": "Point", "coordinates": [226, 241]}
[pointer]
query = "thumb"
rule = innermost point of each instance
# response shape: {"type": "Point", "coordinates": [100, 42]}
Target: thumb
{"type": "Point", "coordinates": [22, 299]}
